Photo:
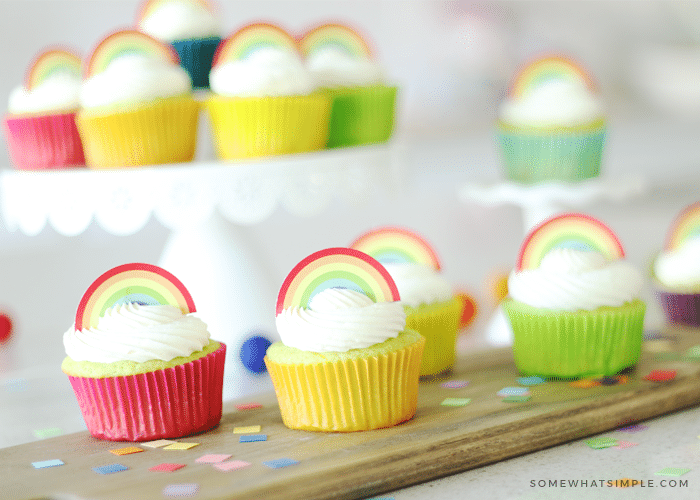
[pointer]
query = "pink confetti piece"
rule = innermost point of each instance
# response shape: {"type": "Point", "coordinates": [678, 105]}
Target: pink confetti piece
{"type": "Point", "coordinates": [455, 384]}
{"type": "Point", "coordinates": [621, 445]}
{"type": "Point", "coordinates": [181, 490]}
{"type": "Point", "coordinates": [248, 406]}
{"type": "Point", "coordinates": [231, 465]}
{"type": "Point", "coordinates": [212, 459]}
{"type": "Point", "coordinates": [166, 467]}
{"type": "Point", "coordinates": [631, 429]}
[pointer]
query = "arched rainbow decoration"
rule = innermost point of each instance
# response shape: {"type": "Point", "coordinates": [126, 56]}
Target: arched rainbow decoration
{"type": "Point", "coordinates": [685, 227]}
{"type": "Point", "coordinates": [571, 230]}
{"type": "Point", "coordinates": [336, 35]}
{"type": "Point", "coordinates": [149, 6]}
{"type": "Point", "coordinates": [52, 61]}
{"type": "Point", "coordinates": [336, 268]}
{"type": "Point", "coordinates": [124, 42]}
{"type": "Point", "coordinates": [141, 283]}
{"type": "Point", "coordinates": [250, 38]}
{"type": "Point", "coordinates": [395, 244]}
{"type": "Point", "coordinates": [548, 68]}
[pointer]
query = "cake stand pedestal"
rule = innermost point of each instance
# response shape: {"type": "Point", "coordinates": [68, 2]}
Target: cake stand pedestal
{"type": "Point", "coordinates": [206, 206]}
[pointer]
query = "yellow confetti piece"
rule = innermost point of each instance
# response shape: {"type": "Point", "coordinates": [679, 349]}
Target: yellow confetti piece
{"type": "Point", "coordinates": [584, 383]}
{"type": "Point", "coordinates": [159, 443]}
{"type": "Point", "coordinates": [250, 429]}
{"type": "Point", "coordinates": [127, 451]}
{"type": "Point", "coordinates": [181, 446]}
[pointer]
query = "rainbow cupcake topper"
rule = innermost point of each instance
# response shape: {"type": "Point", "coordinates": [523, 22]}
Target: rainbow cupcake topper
{"type": "Point", "coordinates": [685, 227]}
{"type": "Point", "coordinates": [570, 230]}
{"type": "Point", "coordinates": [336, 268]}
{"type": "Point", "coordinates": [144, 284]}
{"type": "Point", "coordinates": [396, 245]}
{"type": "Point", "coordinates": [335, 35]}
{"type": "Point", "coordinates": [150, 6]}
{"type": "Point", "coordinates": [51, 62]}
{"type": "Point", "coordinates": [128, 42]}
{"type": "Point", "coordinates": [545, 69]}
{"type": "Point", "coordinates": [250, 38]}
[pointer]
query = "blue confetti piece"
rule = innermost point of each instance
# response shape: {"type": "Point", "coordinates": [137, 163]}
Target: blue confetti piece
{"type": "Point", "coordinates": [16, 384]}
{"type": "Point", "coordinates": [531, 380]}
{"type": "Point", "coordinates": [110, 469]}
{"type": "Point", "coordinates": [47, 463]}
{"type": "Point", "coordinates": [251, 438]}
{"type": "Point", "coordinates": [280, 462]}
{"type": "Point", "coordinates": [181, 490]}
{"type": "Point", "coordinates": [513, 391]}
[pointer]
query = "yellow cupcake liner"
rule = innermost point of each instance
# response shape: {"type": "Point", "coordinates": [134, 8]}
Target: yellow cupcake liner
{"type": "Point", "coordinates": [164, 131]}
{"type": "Point", "coordinates": [248, 127]}
{"type": "Point", "coordinates": [439, 324]}
{"type": "Point", "coordinates": [349, 395]}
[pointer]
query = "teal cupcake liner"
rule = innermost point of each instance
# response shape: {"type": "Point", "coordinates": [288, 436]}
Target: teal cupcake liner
{"type": "Point", "coordinates": [576, 344]}
{"type": "Point", "coordinates": [196, 58]}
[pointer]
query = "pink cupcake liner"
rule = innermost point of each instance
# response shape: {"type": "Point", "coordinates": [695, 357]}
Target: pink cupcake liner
{"type": "Point", "coordinates": [44, 142]}
{"type": "Point", "coordinates": [680, 308]}
{"type": "Point", "coordinates": [170, 403]}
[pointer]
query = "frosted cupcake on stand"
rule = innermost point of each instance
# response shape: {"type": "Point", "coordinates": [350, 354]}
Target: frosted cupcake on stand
{"type": "Point", "coordinates": [40, 125]}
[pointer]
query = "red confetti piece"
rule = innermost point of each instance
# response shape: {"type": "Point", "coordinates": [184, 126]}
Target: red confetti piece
{"type": "Point", "coordinates": [166, 467]}
{"type": "Point", "coordinates": [248, 406]}
{"type": "Point", "coordinates": [661, 375]}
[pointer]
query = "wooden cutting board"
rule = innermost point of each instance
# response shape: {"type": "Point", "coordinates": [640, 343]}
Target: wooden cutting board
{"type": "Point", "coordinates": [440, 440]}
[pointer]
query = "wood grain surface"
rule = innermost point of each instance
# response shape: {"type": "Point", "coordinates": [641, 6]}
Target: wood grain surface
{"type": "Point", "coordinates": [438, 441]}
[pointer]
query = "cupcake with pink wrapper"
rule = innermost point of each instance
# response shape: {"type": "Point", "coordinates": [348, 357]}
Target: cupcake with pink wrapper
{"type": "Point", "coordinates": [142, 366]}
{"type": "Point", "coordinates": [40, 125]}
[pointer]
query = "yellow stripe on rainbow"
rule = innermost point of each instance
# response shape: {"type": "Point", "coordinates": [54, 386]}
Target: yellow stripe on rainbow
{"type": "Point", "coordinates": [395, 244]}
{"type": "Point", "coordinates": [249, 38]}
{"type": "Point", "coordinates": [125, 42]}
{"type": "Point", "coordinates": [336, 35]}
{"type": "Point", "coordinates": [548, 68]}
{"type": "Point", "coordinates": [50, 62]}
{"type": "Point", "coordinates": [686, 226]}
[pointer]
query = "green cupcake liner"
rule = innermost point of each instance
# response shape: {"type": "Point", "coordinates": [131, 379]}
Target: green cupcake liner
{"type": "Point", "coordinates": [576, 344]}
{"type": "Point", "coordinates": [361, 115]}
{"type": "Point", "coordinates": [563, 154]}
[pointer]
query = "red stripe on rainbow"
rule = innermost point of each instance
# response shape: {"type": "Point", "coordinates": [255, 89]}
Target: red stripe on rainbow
{"type": "Point", "coordinates": [335, 34]}
{"type": "Point", "coordinates": [685, 226]}
{"type": "Point", "coordinates": [395, 244]}
{"type": "Point", "coordinates": [546, 68]}
{"type": "Point", "coordinates": [250, 37]}
{"type": "Point", "coordinates": [51, 60]}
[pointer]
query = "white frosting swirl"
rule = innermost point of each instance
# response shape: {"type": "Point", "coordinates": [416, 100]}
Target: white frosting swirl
{"type": "Point", "coordinates": [338, 320]}
{"type": "Point", "coordinates": [334, 67]}
{"type": "Point", "coordinates": [419, 284]}
{"type": "Point", "coordinates": [180, 20]}
{"type": "Point", "coordinates": [134, 78]}
{"type": "Point", "coordinates": [58, 92]}
{"type": "Point", "coordinates": [680, 268]}
{"type": "Point", "coordinates": [268, 71]}
{"type": "Point", "coordinates": [553, 103]}
{"type": "Point", "coordinates": [572, 280]}
{"type": "Point", "coordinates": [132, 332]}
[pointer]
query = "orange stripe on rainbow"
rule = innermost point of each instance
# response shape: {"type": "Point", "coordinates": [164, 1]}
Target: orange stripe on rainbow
{"type": "Point", "coordinates": [685, 227]}
{"type": "Point", "coordinates": [395, 244]}
{"type": "Point", "coordinates": [336, 35]}
{"type": "Point", "coordinates": [250, 38]}
{"type": "Point", "coordinates": [49, 62]}
{"type": "Point", "coordinates": [547, 68]}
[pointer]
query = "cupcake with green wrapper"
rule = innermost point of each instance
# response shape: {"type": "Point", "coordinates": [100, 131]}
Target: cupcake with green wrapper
{"type": "Point", "coordinates": [551, 126]}
{"type": "Point", "coordinates": [343, 64]}
{"type": "Point", "coordinates": [573, 302]}
{"type": "Point", "coordinates": [432, 306]}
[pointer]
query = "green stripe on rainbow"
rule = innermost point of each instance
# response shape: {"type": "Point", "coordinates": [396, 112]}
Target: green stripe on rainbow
{"type": "Point", "coordinates": [336, 268]}
{"type": "Point", "coordinates": [571, 230]}
{"type": "Point", "coordinates": [686, 226]}
{"type": "Point", "coordinates": [545, 69]}
{"type": "Point", "coordinates": [50, 62]}
{"type": "Point", "coordinates": [149, 6]}
{"type": "Point", "coordinates": [127, 42]}
{"type": "Point", "coordinates": [395, 244]}
{"type": "Point", "coordinates": [250, 38]}
{"type": "Point", "coordinates": [141, 283]}
{"type": "Point", "coordinates": [335, 35]}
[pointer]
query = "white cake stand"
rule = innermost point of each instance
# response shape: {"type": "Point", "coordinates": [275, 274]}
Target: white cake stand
{"type": "Point", "coordinates": [206, 206]}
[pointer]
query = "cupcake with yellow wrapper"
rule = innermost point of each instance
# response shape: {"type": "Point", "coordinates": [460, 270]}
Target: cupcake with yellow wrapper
{"type": "Point", "coordinates": [346, 361]}
{"type": "Point", "coordinates": [551, 126]}
{"type": "Point", "coordinates": [343, 64]}
{"type": "Point", "coordinates": [573, 302]}
{"type": "Point", "coordinates": [432, 307]}
{"type": "Point", "coordinates": [263, 101]}
{"type": "Point", "coordinates": [142, 366]}
{"type": "Point", "coordinates": [137, 104]}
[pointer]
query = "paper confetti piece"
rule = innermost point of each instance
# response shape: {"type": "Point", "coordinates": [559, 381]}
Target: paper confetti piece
{"type": "Point", "coordinates": [693, 352]}
{"type": "Point", "coordinates": [661, 375]}
{"type": "Point", "coordinates": [631, 429]}
{"type": "Point", "coordinates": [248, 406]}
{"type": "Point", "coordinates": [516, 399]}
{"type": "Point", "coordinates": [608, 381]}
{"type": "Point", "coordinates": [181, 490]}
{"type": "Point", "coordinates": [250, 429]}
{"type": "Point", "coordinates": [456, 401]}
{"type": "Point", "coordinates": [601, 442]}
{"type": "Point", "coordinates": [531, 380]}
{"type": "Point", "coordinates": [252, 438]}
{"type": "Point", "coordinates": [454, 384]}
{"type": "Point", "coordinates": [180, 446]}
{"type": "Point", "coordinates": [47, 463]}
{"type": "Point", "coordinates": [621, 445]}
{"type": "Point", "coordinates": [212, 459]}
{"type": "Point", "coordinates": [231, 465]}
{"type": "Point", "coordinates": [165, 467]}
{"type": "Point", "coordinates": [672, 471]}
{"type": "Point", "coordinates": [127, 451]}
{"type": "Point", "coordinates": [110, 469]}
{"type": "Point", "coordinates": [48, 433]}
{"type": "Point", "coordinates": [584, 383]}
{"type": "Point", "coordinates": [280, 462]}
{"type": "Point", "coordinates": [159, 443]}
{"type": "Point", "coordinates": [513, 391]}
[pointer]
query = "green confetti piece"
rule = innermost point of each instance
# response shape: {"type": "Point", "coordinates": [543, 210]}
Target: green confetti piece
{"type": "Point", "coordinates": [693, 353]}
{"type": "Point", "coordinates": [516, 399]}
{"type": "Point", "coordinates": [601, 442]}
{"type": "Point", "coordinates": [48, 433]}
{"type": "Point", "coordinates": [672, 471]}
{"type": "Point", "coordinates": [456, 401]}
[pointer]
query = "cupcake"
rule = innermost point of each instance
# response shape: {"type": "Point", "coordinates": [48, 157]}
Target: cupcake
{"type": "Point", "coordinates": [346, 361]}
{"type": "Point", "coordinates": [432, 307]}
{"type": "Point", "coordinates": [40, 125]}
{"type": "Point", "coordinates": [137, 104]}
{"type": "Point", "coordinates": [676, 269]}
{"type": "Point", "coordinates": [142, 366]}
{"type": "Point", "coordinates": [343, 64]}
{"type": "Point", "coordinates": [263, 99]}
{"type": "Point", "coordinates": [551, 126]}
{"type": "Point", "coordinates": [192, 27]}
{"type": "Point", "coordinates": [574, 302]}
